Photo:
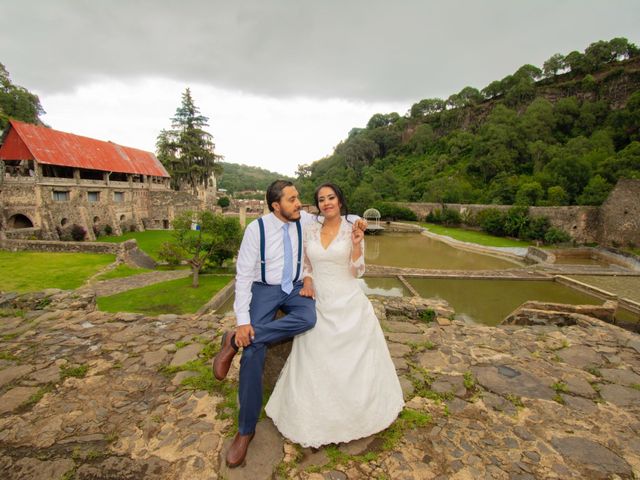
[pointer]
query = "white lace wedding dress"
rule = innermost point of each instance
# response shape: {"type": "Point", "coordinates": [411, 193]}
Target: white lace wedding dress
{"type": "Point", "coordinates": [339, 383]}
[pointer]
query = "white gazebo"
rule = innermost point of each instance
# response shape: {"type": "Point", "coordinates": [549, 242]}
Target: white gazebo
{"type": "Point", "coordinates": [372, 216]}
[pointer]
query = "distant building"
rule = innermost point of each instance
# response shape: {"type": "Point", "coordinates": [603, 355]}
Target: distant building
{"type": "Point", "coordinates": [51, 180]}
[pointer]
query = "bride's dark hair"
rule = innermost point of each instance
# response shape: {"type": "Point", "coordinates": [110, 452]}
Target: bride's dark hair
{"type": "Point", "coordinates": [344, 209]}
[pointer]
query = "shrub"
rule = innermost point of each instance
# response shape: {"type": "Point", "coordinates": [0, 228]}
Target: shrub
{"type": "Point", "coordinates": [390, 211]}
{"type": "Point", "coordinates": [78, 232]}
{"type": "Point", "coordinates": [170, 253]}
{"type": "Point", "coordinates": [224, 202]}
{"type": "Point", "coordinates": [555, 235]}
{"type": "Point", "coordinates": [435, 216]}
{"type": "Point", "coordinates": [445, 216]}
{"type": "Point", "coordinates": [537, 228]}
{"type": "Point", "coordinates": [516, 221]}
{"type": "Point", "coordinates": [492, 221]}
{"type": "Point", "coordinates": [468, 218]}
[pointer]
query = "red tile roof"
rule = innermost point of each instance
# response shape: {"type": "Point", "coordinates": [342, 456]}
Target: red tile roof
{"type": "Point", "coordinates": [45, 145]}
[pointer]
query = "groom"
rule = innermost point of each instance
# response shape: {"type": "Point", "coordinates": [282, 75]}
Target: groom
{"type": "Point", "coordinates": [269, 274]}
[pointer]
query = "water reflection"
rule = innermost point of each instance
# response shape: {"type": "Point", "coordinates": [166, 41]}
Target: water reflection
{"type": "Point", "coordinates": [387, 286]}
{"type": "Point", "coordinates": [490, 301]}
{"type": "Point", "coordinates": [419, 251]}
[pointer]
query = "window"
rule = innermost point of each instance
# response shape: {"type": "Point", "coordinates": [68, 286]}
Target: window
{"type": "Point", "coordinates": [61, 196]}
{"type": "Point", "coordinates": [118, 197]}
{"type": "Point", "coordinates": [93, 196]}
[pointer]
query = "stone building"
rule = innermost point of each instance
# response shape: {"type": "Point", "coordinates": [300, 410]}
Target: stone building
{"type": "Point", "coordinates": [52, 180]}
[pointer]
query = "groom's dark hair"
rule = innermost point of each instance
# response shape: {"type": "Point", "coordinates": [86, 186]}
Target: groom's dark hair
{"type": "Point", "coordinates": [274, 192]}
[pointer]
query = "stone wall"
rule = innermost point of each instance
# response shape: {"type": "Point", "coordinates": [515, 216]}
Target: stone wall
{"type": "Point", "coordinates": [620, 215]}
{"type": "Point", "coordinates": [19, 245]}
{"type": "Point", "coordinates": [127, 252]}
{"type": "Point", "coordinates": [165, 205]}
{"type": "Point", "coordinates": [581, 222]}
{"type": "Point", "coordinates": [615, 223]}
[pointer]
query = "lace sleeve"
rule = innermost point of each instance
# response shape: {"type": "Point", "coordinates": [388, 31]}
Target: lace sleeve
{"type": "Point", "coordinates": [307, 236]}
{"type": "Point", "coordinates": [356, 267]}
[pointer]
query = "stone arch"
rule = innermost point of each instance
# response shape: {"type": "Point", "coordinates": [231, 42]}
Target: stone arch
{"type": "Point", "coordinates": [19, 221]}
{"type": "Point", "coordinates": [123, 218]}
{"type": "Point", "coordinates": [64, 221]}
{"type": "Point", "coordinates": [96, 219]}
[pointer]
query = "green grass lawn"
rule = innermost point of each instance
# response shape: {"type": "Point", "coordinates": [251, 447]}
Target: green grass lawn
{"type": "Point", "coordinates": [473, 236]}
{"type": "Point", "coordinates": [122, 271]}
{"type": "Point", "coordinates": [175, 296]}
{"type": "Point", "coordinates": [33, 271]}
{"type": "Point", "coordinates": [149, 241]}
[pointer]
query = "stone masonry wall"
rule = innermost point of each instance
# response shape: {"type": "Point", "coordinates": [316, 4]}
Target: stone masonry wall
{"type": "Point", "coordinates": [615, 223]}
{"type": "Point", "coordinates": [620, 215]}
{"type": "Point", "coordinates": [122, 206]}
{"type": "Point", "coordinates": [18, 245]}
{"type": "Point", "coordinates": [581, 222]}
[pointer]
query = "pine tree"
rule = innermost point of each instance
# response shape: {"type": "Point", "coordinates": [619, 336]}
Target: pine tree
{"type": "Point", "coordinates": [187, 150]}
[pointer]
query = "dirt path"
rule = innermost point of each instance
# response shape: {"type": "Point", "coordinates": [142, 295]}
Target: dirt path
{"type": "Point", "coordinates": [117, 285]}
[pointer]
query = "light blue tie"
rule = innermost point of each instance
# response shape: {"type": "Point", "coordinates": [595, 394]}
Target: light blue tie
{"type": "Point", "coordinates": [287, 270]}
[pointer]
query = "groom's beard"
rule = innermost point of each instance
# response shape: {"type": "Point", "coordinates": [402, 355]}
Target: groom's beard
{"type": "Point", "coordinates": [291, 216]}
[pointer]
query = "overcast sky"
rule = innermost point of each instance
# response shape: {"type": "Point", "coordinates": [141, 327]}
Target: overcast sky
{"type": "Point", "coordinates": [281, 81]}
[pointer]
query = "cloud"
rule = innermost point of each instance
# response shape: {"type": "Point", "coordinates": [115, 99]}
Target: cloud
{"type": "Point", "coordinates": [359, 49]}
{"type": "Point", "coordinates": [276, 134]}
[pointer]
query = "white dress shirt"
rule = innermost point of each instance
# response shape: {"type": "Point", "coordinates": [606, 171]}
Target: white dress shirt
{"type": "Point", "coordinates": [248, 264]}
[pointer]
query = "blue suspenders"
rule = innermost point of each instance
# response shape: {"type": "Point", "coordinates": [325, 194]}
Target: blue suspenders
{"type": "Point", "coordinates": [263, 263]}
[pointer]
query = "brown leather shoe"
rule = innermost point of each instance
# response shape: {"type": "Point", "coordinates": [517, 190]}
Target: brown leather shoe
{"type": "Point", "coordinates": [238, 450]}
{"type": "Point", "coordinates": [222, 361]}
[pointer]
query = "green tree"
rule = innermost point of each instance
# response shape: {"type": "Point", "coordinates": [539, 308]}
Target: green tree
{"type": "Point", "coordinates": [596, 191]}
{"type": "Point", "coordinates": [551, 67]}
{"type": "Point", "coordinates": [224, 202]}
{"type": "Point", "coordinates": [529, 193]}
{"type": "Point", "coordinates": [201, 237]}
{"type": "Point", "coordinates": [426, 107]}
{"type": "Point", "coordinates": [187, 150]}
{"type": "Point", "coordinates": [382, 120]}
{"type": "Point", "coordinates": [494, 89]}
{"type": "Point", "coordinates": [556, 195]}
{"type": "Point", "coordinates": [17, 102]}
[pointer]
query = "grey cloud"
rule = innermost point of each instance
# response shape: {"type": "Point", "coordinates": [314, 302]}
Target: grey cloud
{"type": "Point", "coordinates": [365, 49]}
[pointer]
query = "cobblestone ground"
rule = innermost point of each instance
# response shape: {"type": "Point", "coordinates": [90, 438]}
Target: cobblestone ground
{"type": "Point", "coordinates": [91, 395]}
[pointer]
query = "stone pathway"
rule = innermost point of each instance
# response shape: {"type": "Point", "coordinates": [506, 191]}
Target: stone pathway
{"type": "Point", "coordinates": [92, 395]}
{"type": "Point", "coordinates": [116, 285]}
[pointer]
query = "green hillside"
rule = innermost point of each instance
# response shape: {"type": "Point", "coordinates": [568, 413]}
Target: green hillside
{"type": "Point", "coordinates": [557, 135]}
{"type": "Point", "coordinates": [237, 178]}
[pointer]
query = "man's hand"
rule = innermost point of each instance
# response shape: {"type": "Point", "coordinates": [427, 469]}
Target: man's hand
{"type": "Point", "coordinates": [307, 289]}
{"type": "Point", "coordinates": [244, 335]}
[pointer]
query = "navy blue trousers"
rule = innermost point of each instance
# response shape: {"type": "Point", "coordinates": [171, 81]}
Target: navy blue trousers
{"type": "Point", "coordinates": [300, 316]}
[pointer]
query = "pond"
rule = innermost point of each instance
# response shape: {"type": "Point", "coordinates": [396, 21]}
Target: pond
{"type": "Point", "coordinates": [490, 301]}
{"type": "Point", "coordinates": [412, 250]}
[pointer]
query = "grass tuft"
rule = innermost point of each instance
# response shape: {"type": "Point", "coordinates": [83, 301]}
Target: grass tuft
{"type": "Point", "coordinates": [76, 372]}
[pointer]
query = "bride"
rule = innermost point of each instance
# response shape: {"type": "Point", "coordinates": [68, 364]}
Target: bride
{"type": "Point", "coordinates": [339, 383]}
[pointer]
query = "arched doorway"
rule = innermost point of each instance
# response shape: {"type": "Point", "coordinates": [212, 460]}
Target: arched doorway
{"type": "Point", "coordinates": [19, 221]}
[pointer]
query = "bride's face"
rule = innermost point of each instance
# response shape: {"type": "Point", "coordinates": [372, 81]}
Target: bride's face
{"type": "Point", "coordinates": [328, 202]}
